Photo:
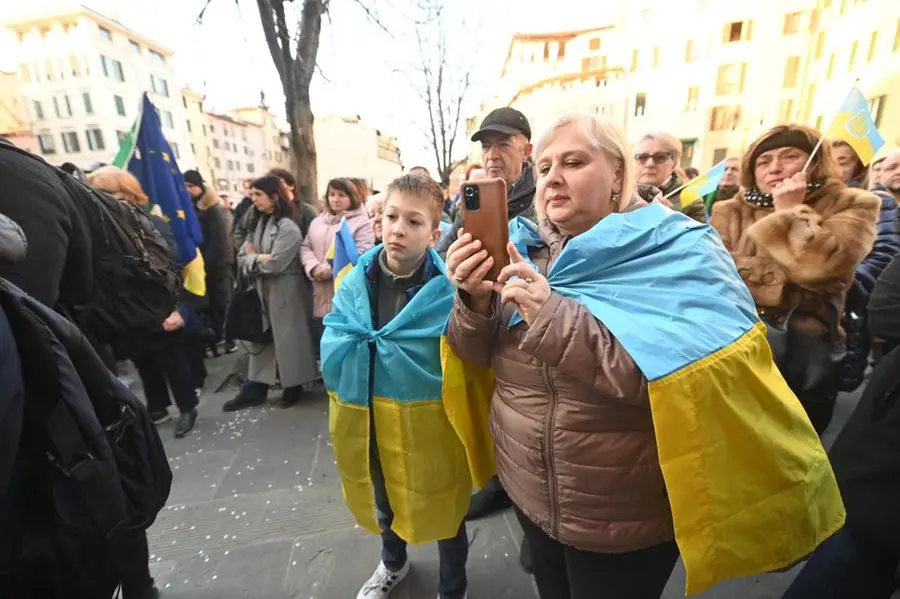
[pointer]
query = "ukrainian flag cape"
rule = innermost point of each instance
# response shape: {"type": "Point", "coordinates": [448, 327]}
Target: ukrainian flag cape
{"type": "Point", "coordinates": [424, 462]}
{"type": "Point", "coordinates": [749, 483]}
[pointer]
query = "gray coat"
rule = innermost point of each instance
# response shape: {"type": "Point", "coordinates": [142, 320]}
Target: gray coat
{"type": "Point", "coordinates": [284, 294]}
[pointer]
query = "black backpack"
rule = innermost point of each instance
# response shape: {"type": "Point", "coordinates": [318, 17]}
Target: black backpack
{"type": "Point", "coordinates": [135, 276]}
{"type": "Point", "coordinates": [92, 473]}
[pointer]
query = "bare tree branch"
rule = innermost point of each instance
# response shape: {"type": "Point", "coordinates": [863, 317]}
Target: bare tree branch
{"type": "Point", "coordinates": [373, 17]}
{"type": "Point", "coordinates": [440, 86]}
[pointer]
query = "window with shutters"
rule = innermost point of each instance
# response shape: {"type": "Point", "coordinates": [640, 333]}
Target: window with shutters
{"type": "Point", "coordinates": [94, 138]}
{"type": "Point", "coordinates": [70, 142]}
{"type": "Point", "coordinates": [791, 69]}
{"type": "Point", "coordinates": [730, 79]}
{"type": "Point", "coordinates": [792, 23]}
{"type": "Point", "coordinates": [45, 142]}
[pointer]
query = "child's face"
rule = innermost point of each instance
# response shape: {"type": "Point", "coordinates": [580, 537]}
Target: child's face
{"type": "Point", "coordinates": [408, 228]}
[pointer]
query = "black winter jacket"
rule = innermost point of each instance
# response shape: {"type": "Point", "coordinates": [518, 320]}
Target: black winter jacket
{"type": "Point", "coordinates": [58, 270]}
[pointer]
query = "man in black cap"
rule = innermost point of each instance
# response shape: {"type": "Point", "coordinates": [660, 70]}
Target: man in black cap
{"type": "Point", "coordinates": [218, 253]}
{"type": "Point", "coordinates": [505, 137]}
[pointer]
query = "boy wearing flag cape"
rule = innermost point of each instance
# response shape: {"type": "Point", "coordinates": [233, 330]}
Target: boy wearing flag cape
{"type": "Point", "coordinates": [404, 470]}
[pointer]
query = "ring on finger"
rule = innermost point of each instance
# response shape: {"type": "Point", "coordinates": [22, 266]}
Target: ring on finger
{"type": "Point", "coordinates": [459, 279]}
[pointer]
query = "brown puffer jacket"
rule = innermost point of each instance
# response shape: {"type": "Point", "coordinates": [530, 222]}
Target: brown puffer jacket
{"type": "Point", "coordinates": [571, 420]}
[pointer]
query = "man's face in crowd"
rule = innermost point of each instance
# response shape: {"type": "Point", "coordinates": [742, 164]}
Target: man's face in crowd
{"type": "Point", "coordinates": [846, 161]}
{"type": "Point", "coordinates": [890, 173]}
{"type": "Point", "coordinates": [194, 191]}
{"type": "Point", "coordinates": [732, 177]}
{"type": "Point", "coordinates": [504, 155]}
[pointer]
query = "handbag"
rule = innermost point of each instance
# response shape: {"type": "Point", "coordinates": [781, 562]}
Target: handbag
{"type": "Point", "coordinates": [243, 318]}
{"type": "Point", "coordinates": [807, 362]}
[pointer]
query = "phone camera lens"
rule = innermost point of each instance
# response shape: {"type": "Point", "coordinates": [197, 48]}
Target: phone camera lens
{"type": "Point", "coordinates": [471, 197]}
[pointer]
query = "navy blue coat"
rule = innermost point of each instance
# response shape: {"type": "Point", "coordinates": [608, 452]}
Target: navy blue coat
{"type": "Point", "coordinates": [887, 245]}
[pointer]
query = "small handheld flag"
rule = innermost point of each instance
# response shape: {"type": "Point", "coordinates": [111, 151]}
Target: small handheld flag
{"type": "Point", "coordinates": [704, 184]}
{"type": "Point", "coordinates": [343, 254]}
{"type": "Point", "coordinates": [854, 124]}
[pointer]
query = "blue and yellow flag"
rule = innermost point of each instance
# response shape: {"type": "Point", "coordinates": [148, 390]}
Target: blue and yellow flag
{"type": "Point", "coordinates": [750, 486]}
{"type": "Point", "coordinates": [854, 124]}
{"type": "Point", "coordinates": [343, 254]}
{"type": "Point", "coordinates": [400, 391]}
{"type": "Point", "coordinates": [153, 163]}
{"type": "Point", "coordinates": [704, 184]}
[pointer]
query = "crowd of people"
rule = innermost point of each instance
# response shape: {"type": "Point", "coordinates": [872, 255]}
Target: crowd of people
{"type": "Point", "coordinates": [798, 234]}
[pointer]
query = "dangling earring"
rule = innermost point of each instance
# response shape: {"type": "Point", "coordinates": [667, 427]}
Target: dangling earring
{"type": "Point", "coordinates": [615, 198]}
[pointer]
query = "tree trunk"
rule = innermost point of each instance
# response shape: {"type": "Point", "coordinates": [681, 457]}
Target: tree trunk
{"type": "Point", "coordinates": [303, 144]}
{"type": "Point", "coordinates": [295, 68]}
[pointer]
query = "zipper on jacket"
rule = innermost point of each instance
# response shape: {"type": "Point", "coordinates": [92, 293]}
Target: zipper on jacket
{"type": "Point", "coordinates": [549, 462]}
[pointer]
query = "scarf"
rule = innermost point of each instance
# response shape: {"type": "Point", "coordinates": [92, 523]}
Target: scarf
{"type": "Point", "coordinates": [755, 197]}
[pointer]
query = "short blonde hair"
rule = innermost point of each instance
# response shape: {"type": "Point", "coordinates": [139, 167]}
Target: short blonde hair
{"type": "Point", "coordinates": [113, 180]}
{"type": "Point", "coordinates": [601, 134]}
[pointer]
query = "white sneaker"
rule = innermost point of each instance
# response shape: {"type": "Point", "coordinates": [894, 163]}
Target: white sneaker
{"type": "Point", "coordinates": [382, 582]}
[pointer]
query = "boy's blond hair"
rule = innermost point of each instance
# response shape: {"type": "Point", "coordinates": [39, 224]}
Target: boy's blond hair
{"type": "Point", "coordinates": [422, 188]}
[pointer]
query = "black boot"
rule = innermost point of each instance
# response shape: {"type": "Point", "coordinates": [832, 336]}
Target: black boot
{"type": "Point", "coordinates": [491, 499]}
{"type": "Point", "coordinates": [186, 423]}
{"type": "Point", "coordinates": [251, 394]}
{"type": "Point", "coordinates": [290, 396]}
{"type": "Point", "coordinates": [526, 559]}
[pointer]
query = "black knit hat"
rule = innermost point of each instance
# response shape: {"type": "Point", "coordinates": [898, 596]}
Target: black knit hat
{"type": "Point", "coordinates": [194, 178]}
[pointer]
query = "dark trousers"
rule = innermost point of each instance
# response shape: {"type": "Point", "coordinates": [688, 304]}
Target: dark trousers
{"type": "Point", "coordinates": [846, 565]}
{"type": "Point", "coordinates": [563, 572]}
{"type": "Point", "coordinates": [135, 558]}
{"type": "Point", "coordinates": [316, 329]}
{"type": "Point", "coordinates": [453, 553]}
{"type": "Point", "coordinates": [165, 368]}
{"type": "Point", "coordinates": [194, 349]}
{"type": "Point", "coordinates": [219, 284]}
{"type": "Point", "coordinates": [819, 406]}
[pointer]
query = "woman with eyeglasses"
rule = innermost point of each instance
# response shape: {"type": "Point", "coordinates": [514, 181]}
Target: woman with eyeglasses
{"type": "Point", "coordinates": [658, 155]}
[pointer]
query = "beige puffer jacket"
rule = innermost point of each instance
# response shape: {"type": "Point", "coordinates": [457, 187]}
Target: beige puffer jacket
{"type": "Point", "coordinates": [571, 420]}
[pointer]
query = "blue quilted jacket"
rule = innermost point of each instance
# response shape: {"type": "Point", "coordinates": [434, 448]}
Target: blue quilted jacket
{"type": "Point", "coordinates": [887, 245]}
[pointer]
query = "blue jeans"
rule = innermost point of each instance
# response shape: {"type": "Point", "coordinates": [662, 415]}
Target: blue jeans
{"type": "Point", "coordinates": [846, 565]}
{"type": "Point", "coordinates": [453, 553]}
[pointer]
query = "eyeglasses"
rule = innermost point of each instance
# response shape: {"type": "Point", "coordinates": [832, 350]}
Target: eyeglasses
{"type": "Point", "coordinates": [658, 157]}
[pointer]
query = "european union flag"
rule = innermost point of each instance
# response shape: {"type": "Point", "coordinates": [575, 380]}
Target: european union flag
{"type": "Point", "coordinates": [343, 254]}
{"type": "Point", "coordinates": [153, 163]}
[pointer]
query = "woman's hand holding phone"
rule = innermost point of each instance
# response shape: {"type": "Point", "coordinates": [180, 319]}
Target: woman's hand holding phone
{"type": "Point", "coordinates": [467, 265]}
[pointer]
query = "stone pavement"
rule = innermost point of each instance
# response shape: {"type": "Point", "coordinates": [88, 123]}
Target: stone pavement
{"type": "Point", "coordinates": [256, 512]}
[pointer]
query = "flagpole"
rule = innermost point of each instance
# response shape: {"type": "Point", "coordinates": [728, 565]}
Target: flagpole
{"type": "Point", "coordinates": [822, 137]}
{"type": "Point", "coordinates": [677, 189]}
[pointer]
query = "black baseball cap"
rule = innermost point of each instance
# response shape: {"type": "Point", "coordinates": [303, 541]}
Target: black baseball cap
{"type": "Point", "coordinates": [507, 121]}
